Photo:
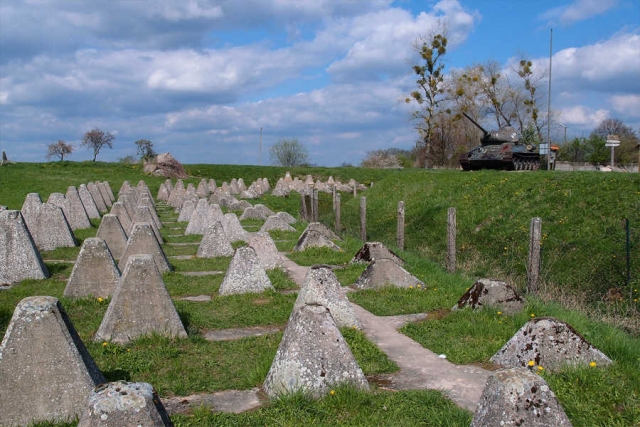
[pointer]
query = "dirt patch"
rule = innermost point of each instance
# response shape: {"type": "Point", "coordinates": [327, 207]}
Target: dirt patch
{"type": "Point", "coordinates": [438, 314]}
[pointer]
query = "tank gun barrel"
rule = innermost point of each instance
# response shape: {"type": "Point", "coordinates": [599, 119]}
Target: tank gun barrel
{"type": "Point", "coordinates": [484, 131]}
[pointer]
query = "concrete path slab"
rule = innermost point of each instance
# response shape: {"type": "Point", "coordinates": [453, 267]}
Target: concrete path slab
{"type": "Point", "coordinates": [232, 401]}
{"type": "Point", "coordinates": [238, 333]}
{"type": "Point", "coordinates": [200, 273]}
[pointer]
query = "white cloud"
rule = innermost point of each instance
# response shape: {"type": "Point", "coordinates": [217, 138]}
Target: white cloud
{"type": "Point", "coordinates": [583, 117]}
{"type": "Point", "coordinates": [628, 104]}
{"type": "Point", "coordinates": [579, 10]}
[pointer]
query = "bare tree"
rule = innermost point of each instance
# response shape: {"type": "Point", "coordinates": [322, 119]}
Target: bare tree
{"type": "Point", "coordinates": [288, 152]}
{"type": "Point", "coordinates": [380, 159]}
{"type": "Point", "coordinates": [59, 149]}
{"type": "Point", "coordinates": [95, 139]}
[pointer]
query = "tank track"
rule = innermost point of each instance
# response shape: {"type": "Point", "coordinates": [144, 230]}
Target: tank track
{"type": "Point", "coordinates": [526, 163]}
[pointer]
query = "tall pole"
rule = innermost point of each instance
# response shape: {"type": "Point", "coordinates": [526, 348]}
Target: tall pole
{"type": "Point", "coordinates": [260, 149]}
{"type": "Point", "coordinates": [549, 104]}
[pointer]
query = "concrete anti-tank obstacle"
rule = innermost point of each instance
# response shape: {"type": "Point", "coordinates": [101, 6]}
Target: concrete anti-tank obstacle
{"type": "Point", "coordinates": [113, 234]}
{"type": "Point", "coordinates": [214, 243]}
{"type": "Point", "coordinates": [75, 212]}
{"type": "Point", "coordinates": [375, 250]}
{"type": "Point", "coordinates": [234, 229]}
{"type": "Point", "coordinates": [321, 287]}
{"type": "Point", "coordinates": [550, 343]}
{"type": "Point", "coordinates": [163, 192]}
{"type": "Point", "coordinates": [105, 194]}
{"type": "Point", "coordinates": [383, 272]}
{"type": "Point", "coordinates": [314, 239]}
{"type": "Point", "coordinates": [145, 200]}
{"type": "Point", "coordinates": [123, 403]}
{"type": "Point", "coordinates": [107, 186]}
{"type": "Point", "coordinates": [198, 223]}
{"type": "Point", "coordinates": [143, 241]}
{"type": "Point", "coordinates": [47, 224]}
{"type": "Point", "coordinates": [143, 214]}
{"type": "Point", "coordinates": [120, 211]}
{"type": "Point", "coordinates": [45, 370]}
{"type": "Point", "coordinates": [128, 202]}
{"type": "Point", "coordinates": [266, 250]}
{"type": "Point", "coordinates": [95, 272]}
{"type": "Point", "coordinates": [491, 293]}
{"type": "Point", "coordinates": [313, 357]}
{"type": "Point", "coordinates": [19, 257]}
{"type": "Point", "coordinates": [140, 305]}
{"type": "Point", "coordinates": [188, 206]}
{"type": "Point", "coordinates": [97, 197]}
{"type": "Point", "coordinates": [286, 217]}
{"type": "Point", "coordinates": [87, 201]}
{"type": "Point", "coordinates": [124, 187]}
{"type": "Point", "coordinates": [518, 397]}
{"type": "Point", "coordinates": [252, 213]}
{"type": "Point", "coordinates": [274, 222]}
{"type": "Point", "coordinates": [245, 274]}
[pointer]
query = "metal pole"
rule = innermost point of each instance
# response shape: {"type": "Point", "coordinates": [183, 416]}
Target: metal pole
{"type": "Point", "coordinates": [549, 104]}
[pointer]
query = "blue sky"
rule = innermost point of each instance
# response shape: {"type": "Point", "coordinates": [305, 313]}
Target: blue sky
{"type": "Point", "coordinates": [199, 78]}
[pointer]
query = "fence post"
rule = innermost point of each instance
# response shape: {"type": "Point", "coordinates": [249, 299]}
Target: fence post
{"type": "Point", "coordinates": [400, 232]}
{"type": "Point", "coordinates": [354, 190]}
{"type": "Point", "coordinates": [451, 240]}
{"type": "Point", "coordinates": [533, 268]}
{"type": "Point", "coordinates": [303, 206]}
{"type": "Point", "coordinates": [363, 218]}
{"type": "Point", "coordinates": [338, 213]}
{"type": "Point", "coordinates": [315, 205]}
{"type": "Point", "coordinates": [333, 199]}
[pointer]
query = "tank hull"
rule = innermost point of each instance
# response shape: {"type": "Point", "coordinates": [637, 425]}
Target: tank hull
{"type": "Point", "coordinates": [507, 156]}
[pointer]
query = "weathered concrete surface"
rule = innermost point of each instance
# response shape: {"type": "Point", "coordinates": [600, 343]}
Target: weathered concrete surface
{"type": "Point", "coordinates": [74, 210]}
{"type": "Point", "coordinates": [492, 293]}
{"type": "Point", "coordinates": [188, 206]}
{"type": "Point", "coordinates": [118, 209]}
{"type": "Point", "coordinates": [518, 397]}
{"type": "Point", "coordinates": [420, 368]}
{"type": "Point", "coordinates": [375, 250]}
{"type": "Point", "coordinates": [286, 217]}
{"type": "Point", "coordinates": [231, 401]}
{"type": "Point", "coordinates": [550, 343]}
{"type": "Point", "coordinates": [214, 243]}
{"type": "Point", "coordinates": [19, 257]}
{"type": "Point", "coordinates": [143, 214]}
{"type": "Point", "coordinates": [45, 370]}
{"type": "Point", "coordinates": [252, 213]}
{"type": "Point", "coordinates": [87, 201]}
{"type": "Point", "coordinates": [198, 223]}
{"type": "Point", "coordinates": [95, 272]}
{"type": "Point", "coordinates": [245, 274]}
{"type": "Point", "coordinates": [120, 404]}
{"type": "Point", "coordinates": [276, 223]}
{"type": "Point", "coordinates": [321, 287]}
{"type": "Point", "coordinates": [48, 227]}
{"type": "Point", "coordinates": [314, 239]}
{"type": "Point", "coordinates": [266, 250]}
{"type": "Point", "coordinates": [239, 333]}
{"type": "Point", "coordinates": [97, 197]}
{"type": "Point", "coordinates": [143, 241]}
{"type": "Point", "coordinates": [112, 232]}
{"type": "Point", "coordinates": [384, 272]}
{"type": "Point", "coordinates": [141, 305]}
{"type": "Point", "coordinates": [233, 228]}
{"type": "Point", "coordinates": [321, 228]}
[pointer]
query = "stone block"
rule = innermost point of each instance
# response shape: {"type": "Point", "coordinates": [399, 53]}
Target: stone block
{"type": "Point", "coordinates": [95, 272]}
{"type": "Point", "coordinates": [245, 274]}
{"type": "Point", "coordinates": [46, 372]}
{"type": "Point", "coordinates": [187, 209]}
{"type": "Point", "coordinates": [143, 214]}
{"type": "Point", "coordinates": [140, 306]}
{"type": "Point", "coordinates": [19, 257]}
{"type": "Point", "coordinates": [105, 194]}
{"type": "Point", "coordinates": [492, 293]}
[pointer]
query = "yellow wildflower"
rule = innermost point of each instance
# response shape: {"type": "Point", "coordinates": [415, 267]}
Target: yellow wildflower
{"type": "Point", "coordinates": [100, 299]}
{"type": "Point", "coordinates": [104, 344]}
{"type": "Point", "coordinates": [533, 315]}
{"type": "Point", "coordinates": [540, 368]}
{"type": "Point", "coordinates": [593, 364]}
{"type": "Point", "coordinates": [332, 392]}
{"type": "Point", "coordinates": [531, 363]}
{"type": "Point", "coordinates": [499, 313]}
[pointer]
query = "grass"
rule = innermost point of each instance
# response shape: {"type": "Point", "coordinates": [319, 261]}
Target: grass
{"type": "Point", "coordinates": [583, 256]}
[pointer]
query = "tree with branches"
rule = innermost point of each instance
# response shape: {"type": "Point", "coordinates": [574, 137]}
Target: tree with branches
{"type": "Point", "coordinates": [96, 139]}
{"type": "Point", "coordinates": [288, 152]}
{"type": "Point", "coordinates": [144, 148]}
{"type": "Point", "coordinates": [59, 149]}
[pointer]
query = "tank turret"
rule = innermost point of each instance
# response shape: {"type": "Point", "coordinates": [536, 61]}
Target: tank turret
{"type": "Point", "coordinates": [500, 149]}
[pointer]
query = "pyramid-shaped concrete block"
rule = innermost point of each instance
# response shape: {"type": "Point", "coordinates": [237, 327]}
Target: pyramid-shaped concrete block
{"type": "Point", "coordinates": [214, 243]}
{"type": "Point", "coordinates": [385, 272]}
{"type": "Point", "coordinates": [113, 234]}
{"type": "Point", "coordinates": [239, 205]}
{"type": "Point", "coordinates": [121, 404]}
{"type": "Point", "coordinates": [97, 197]}
{"type": "Point", "coordinates": [188, 206]}
{"type": "Point", "coordinates": [203, 189]}
{"type": "Point", "coordinates": [127, 200]}
{"type": "Point", "coordinates": [118, 209]}
{"type": "Point", "coordinates": [140, 306]}
{"type": "Point", "coordinates": [74, 210]}
{"type": "Point", "coordinates": [321, 287]}
{"type": "Point", "coordinates": [266, 249]}
{"type": "Point", "coordinates": [245, 274]}
{"type": "Point", "coordinates": [30, 207]}
{"type": "Point", "coordinates": [550, 343]}
{"type": "Point", "coordinates": [88, 202]}
{"type": "Point", "coordinates": [518, 397]}
{"type": "Point", "coordinates": [198, 223]}
{"type": "Point", "coordinates": [95, 272]}
{"type": "Point", "coordinates": [276, 223]}
{"type": "Point", "coordinates": [313, 357]}
{"type": "Point", "coordinates": [19, 257]}
{"type": "Point", "coordinates": [314, 239]}
{"type": "Point", "coordinates": [145, 200]}
{"type": "Point", "coordinates": [286, 217]}
{"type": "Point", "coordinates": [104, 193]}
{"type": "Point", "coordinates": [46, 372]}
{"type": "Point", "coordinates": [252, 213]}
{"type": "Point", "coordinates": [143, 241]}
{"type": "Point", "coordinates": [126, 186]}
{"type": "Point", "coordinates": [320, 227]}
{"type": "Point", "coordinates": [163, 192]}
{"type": "Point", "coordinates": [491, 293]}
{"type": "Point", "coordinates": [375, 250]}
{"type": "Point", "coordinates": [215, 213]}
{"type": "Point", "coordinates": [143, 214]}
{"type": "Point", "coordinates": [234, 229]}
{"type": "Point", "coordinates": [107, 186]}
{"type": "Point", "coordinates": [49, 227]}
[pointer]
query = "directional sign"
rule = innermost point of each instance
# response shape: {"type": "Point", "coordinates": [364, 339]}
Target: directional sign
{"type": "Point", "coordinates": [612, 141]}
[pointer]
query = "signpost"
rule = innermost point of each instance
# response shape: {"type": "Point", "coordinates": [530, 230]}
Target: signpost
{"type": "Point", "coordinates": [612, 141]}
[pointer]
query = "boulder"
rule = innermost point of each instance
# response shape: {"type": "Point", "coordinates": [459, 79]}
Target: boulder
{"type": "Point", "coordinates": [375, 250]}
{"type": "Point", "coordinates": [492, 293]}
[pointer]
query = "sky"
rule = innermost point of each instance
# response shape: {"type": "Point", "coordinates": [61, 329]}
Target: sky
{"type": "Point", "coordinates": [221, 81]}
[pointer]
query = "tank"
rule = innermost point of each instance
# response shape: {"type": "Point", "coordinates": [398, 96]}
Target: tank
{"type": "Point", "coordinates": [500, 149]}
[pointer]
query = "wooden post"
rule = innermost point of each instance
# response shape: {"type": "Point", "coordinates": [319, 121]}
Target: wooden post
{"type": "Point", "coordinates": [451, 240]}
{"type": "Point", "coordinates": [312, 205]}
{"type": "Point", "coordinates": [363, 218]}
{"type": "Point", "coordinates": [400, 232]}
{"type": "Point", "coordinates": [315, 205]}
{"type": "Point", "coordinates": [333, 199]}
{"type": "Point", "coordinates": [354, 190]}
{"type": "Point", "coordinates": [533, 267]}
{"type": "Point", "coordinates": [303, 207]}
{"type": "Point", "coordinates": [338, 213]}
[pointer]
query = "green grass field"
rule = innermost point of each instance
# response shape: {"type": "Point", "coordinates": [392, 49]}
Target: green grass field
{"type": "Point", "coordinates": [584, 255]}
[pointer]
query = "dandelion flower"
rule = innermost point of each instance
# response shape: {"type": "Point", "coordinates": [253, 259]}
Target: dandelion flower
{"type": "Point", "coordinates": [499, 313]}
{"type": "Point", "coordinates": [593, 364]}
{"type": "Point", "coordinates": [100, 299]}
{"type": "Point", "coordinates": [531, 363]}
{"type": "Point", "coordinates": [533, 315]}
{"type": "Point", "coordinates": [410, 287]}
{"type": "Point", "coordinates": [332, 392]}
{"type": "Point", "coordinates": [540, 368]}
{"type": "Point", "coordinates": [104, 344]}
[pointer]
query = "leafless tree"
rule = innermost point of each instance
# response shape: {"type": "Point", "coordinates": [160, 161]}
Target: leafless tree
{"type": "Point", "coordinates": [59, 150]}
{"type": "Point", "coordinates": [95, 139]}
